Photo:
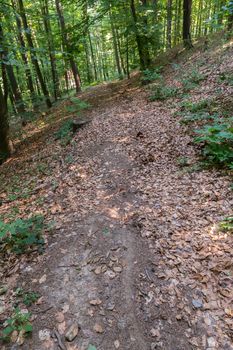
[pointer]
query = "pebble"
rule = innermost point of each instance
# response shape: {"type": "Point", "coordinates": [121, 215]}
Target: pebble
{"type": "Point", "coordinates": [197, 303]}
{"type": "Point", "coordinates": [44, 334]}
{"type": "Point", "coordinates": [72, 332]}
{"type": "Point", "coordinates": [211, 342]}
{"type": "Point", "coordinates": [98, 328]}
{"type": "Point", "coordinates": [117, 344]}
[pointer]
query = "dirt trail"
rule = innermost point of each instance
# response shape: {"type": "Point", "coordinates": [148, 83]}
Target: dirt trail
{"type": "Point", "coordinates": [128, 259]}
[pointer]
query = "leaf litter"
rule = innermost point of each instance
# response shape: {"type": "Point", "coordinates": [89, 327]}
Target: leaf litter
{"type": "Point", "coordinates": [182, 277]}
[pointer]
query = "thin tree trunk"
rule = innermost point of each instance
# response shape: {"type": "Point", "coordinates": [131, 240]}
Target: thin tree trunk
{"type": "Point", "coordinates": [187, 7]}
{"type": "Point", "coordinates": [33, 54]}
{"type": "Point", "coordinates": [66, 45]}
{"type": "Point", "coordinates": [4, 128]}
{"type": "Point", "coordinates": [92, 56]}
{"type": "Point", "coordinates": [143, 50]}
{"type": "Point", "coordinates": [169, 24]}
{"type": "Point", "coordinates": [117, 58]}
{"type": "Point", "coordinates": [47, 26]}
{"type": "Point", "coordinates": [11, 75]}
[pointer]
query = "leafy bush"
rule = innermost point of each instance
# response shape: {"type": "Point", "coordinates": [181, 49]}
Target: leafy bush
{"type": "Point", "coordinates": [227, 224]}
{"type": "Point", "coordinates": [218, 142]}
{"type": "Point", "coordinates": [226, 78]}
{"type": "Point", "coordinates": [64, 133]}
{"type": "Point", "coordinates": [162, 92]}
{"type": "Point", "coordinates": [202, 105]}
{"type": "Point", "coordinates": [28, 298]}
{"type": "Point", "coordinates": [19, 322]}
{"type": "Point", "coordinates": [21, 236]}
{"type": "Point", "coordinates": [77, 105]}
{"type": "Point", "coordinates": [192, 80]}
{"type": "Point", "coordinates": [150, 75]}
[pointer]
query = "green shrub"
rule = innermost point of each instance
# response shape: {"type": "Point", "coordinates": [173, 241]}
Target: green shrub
{"type": "Point", "coordinates": [19, 322]}
{"type": "Point", "coordinates": [226, 78]}
{"type": "Point", "coordinates": [28, 298]}
{"type": "Point", "coordinates": [150, 75]}
{"type": "Point", "coordinates": [77, 105]}
{"type": "Point", "coordinates": [192, 80]}
{"type": "Point", "coordinates": [22, 235]}
{"type": "Point", "coordinates": [227, 224]}
{"type": "Point", "coordinates": [64, 134]}
{"type": "Point", "coordinates": [162, 92]}
{"type": "Point", "coordinates": [217, 140]}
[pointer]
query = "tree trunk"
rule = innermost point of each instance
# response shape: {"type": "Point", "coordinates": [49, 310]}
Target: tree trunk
{"type": "Point", "coordinates": [230, 17]}
{"type": "Point", "coordinates": [33, 54]}
{"type": "Point", "coordinates": [117, 58]}
{"type": "Point", "coordinates": [169, 24]}
{"type": "Point", "coordinates": [66, 45]}
{"type": "Point", "coordinates": [4, 128]}
{"type": "Point", "coordinates": [47, 26]}
{"type": "Point", "coordinates": [143, 50]}
{"type": "Point", "coordinates": [23, 54]}
{"type": "Point", "coordinates": [20, 107]}
{"type": "Point", "coordinates": [92, 56]}
{"type": "Point", "coordinates": [187, 8]}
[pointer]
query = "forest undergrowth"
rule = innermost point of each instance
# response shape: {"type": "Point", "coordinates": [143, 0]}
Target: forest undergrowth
{"type": "Point", "coordinates": [173, 123]}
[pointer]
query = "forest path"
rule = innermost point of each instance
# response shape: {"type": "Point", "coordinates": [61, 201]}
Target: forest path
{"type": "Point", "coordinates": [133, 237]}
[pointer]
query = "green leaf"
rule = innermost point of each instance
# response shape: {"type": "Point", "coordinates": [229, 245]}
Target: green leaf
{"type": "Point", "coordinates": [91, 347]}
{"type": "Point", "coordinates": [8, 330]}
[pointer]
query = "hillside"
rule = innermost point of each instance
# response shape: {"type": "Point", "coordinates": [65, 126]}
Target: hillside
{"type": "Point", "coordinates": [134, 253]}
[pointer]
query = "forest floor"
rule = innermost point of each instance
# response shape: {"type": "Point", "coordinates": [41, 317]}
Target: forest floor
{"type": "Point", "coordinates": [134, 259]}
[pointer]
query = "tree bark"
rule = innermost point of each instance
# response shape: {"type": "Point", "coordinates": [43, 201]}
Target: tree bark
{"type": "Point", "coordinates": [33, 54]}
{"type": "Point", "coordinates": [4, 128]}
{"type": "Point", "coordinates": [143, 50]}
{"type": "Point", "coordinates": [47, 26]}
{"type": "Point", "coordinates": [169, 24]}
{"type": "Point", "coordinates": [65, 44]}
{"type": "Point", "coordinates": [23, 54]}
{"type": "Point", "coordinates": [187, 8]}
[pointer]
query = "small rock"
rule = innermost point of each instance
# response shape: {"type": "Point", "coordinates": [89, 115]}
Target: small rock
{"type": "Point", "coordinates": [72, 332]}
{"type": "Point", "coordinates": [95, 302]}
{"type": "Point", "coordinates": [3, 289]}
{"type": "Point", "coordinates": [110, 274]}
{"type": "Point", "coordinates": [155, 333]}
{"type": "Point", "coordinates": [117, 269]}
{"type": "Point", "coordinates": [44, 334]}
{"type": "Point", "coordinates": [98, 270]}
{"type": "Point", "coordinates": [110, 306]}
{"type": "Point", "coordinates": [197, 303]}
{"type": "Point", "coordinates": [179, 317]}
{"type": "Point", "coordinates": [211, 342]}
{"type": "Point", "coordinates": [60, 317]}
{"type": "Point", "coordinates": [98, 328]}
{"type": "Point", "coordinates": [42, 279]}
{"type": "Point", "coordinates": [117, 344]}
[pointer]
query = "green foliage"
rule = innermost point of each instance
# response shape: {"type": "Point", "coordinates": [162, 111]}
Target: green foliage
{"type": "Point", "coordinates": [64, 134]}
{"type": "Point", "coordinates": [226, 78]}
{"type": "Point", "coordinates": [202, 105]}
{"type": "Point", "coordinates": [19, 322]}
{"type": "Point", "coordinates": [28, 298]}
{"type": "Point", "coordinates": [22, 235]}
{"type": "Point", "coordinates": [227, 224]}
{"type": "Point", "coordinates": [192, 80]}
{"type": "Point", "coordinates": [150, 75]}
{"type": "Point", "coordinates": [217, 141]}
{"type": "Point", "coordinates": [162, 92]}
{"type": "Point", "coordinates": [77, 105]}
